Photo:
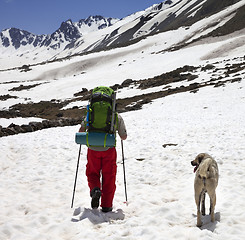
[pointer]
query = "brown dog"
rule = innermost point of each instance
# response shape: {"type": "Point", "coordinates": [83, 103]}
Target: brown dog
{"type": "Point", "coordinates": [206, 180]}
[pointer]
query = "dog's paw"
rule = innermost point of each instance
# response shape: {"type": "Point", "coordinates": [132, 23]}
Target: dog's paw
{"type": "Point", "coordinates": [199, 223]}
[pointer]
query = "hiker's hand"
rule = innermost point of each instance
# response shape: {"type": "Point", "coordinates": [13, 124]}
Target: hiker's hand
{"type": "Point", "coordinates": [123, 137]}
{"type": "Point", "coordinates": [82, 129]}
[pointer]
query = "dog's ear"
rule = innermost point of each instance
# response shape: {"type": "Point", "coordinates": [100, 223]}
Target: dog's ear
{"type": "Point", "coordinates": [200, 157]}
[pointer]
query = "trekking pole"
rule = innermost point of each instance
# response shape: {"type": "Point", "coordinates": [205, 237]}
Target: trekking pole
{"type": "Point", "coordinates": [113, 112]}
{"type": "Point", "coordinates": [124, 173]}
{"type": "Point", "coordinates": [76, 176]}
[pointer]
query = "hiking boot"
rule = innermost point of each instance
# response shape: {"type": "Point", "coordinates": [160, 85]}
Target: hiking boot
{"type": "Point", "coordinates": [106, 209]}
{"type": "Point", "coordinates": [95, 195]}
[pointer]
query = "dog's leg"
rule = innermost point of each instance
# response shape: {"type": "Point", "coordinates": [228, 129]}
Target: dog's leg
{"type": "Point", "coordinates": [198, 203]}
{"type": "Point", "coordinates": [212, 205]}
{"type": "Point", "coordinates": [203, 203]}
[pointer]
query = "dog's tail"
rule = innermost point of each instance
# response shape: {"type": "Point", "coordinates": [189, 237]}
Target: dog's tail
{"type": "Point", "coordinates": [204, 168]}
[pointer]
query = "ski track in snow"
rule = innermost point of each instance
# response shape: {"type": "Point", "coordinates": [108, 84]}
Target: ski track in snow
{"type": "Point", "coordinates": [38, 169]}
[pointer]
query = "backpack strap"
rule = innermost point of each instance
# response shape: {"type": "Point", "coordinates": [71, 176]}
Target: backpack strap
{"type": "Point", "coordinates": [105, 139]}
{"type": "Point", "coordinates": [87, 139]}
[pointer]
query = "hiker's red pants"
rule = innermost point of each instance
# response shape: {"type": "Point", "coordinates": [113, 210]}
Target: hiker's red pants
{"type": "Point", "coordinates": [102, 164]}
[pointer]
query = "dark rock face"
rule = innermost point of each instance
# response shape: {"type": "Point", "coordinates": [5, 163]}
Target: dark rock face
{"type": "Point", "coordinates": [70, 32]}
{"type": "Point", "coordinates": [5, 40]}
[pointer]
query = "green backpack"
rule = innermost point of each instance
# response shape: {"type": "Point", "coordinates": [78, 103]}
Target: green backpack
{"type": "Point", "coordinates": [102, 110]}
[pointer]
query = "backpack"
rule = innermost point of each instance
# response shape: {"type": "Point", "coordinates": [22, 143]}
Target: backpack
{"type": "Point", "coordinates": [101, 111]}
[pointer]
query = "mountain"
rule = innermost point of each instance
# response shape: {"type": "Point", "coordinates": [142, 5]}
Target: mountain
{"type": "Point", "coordinates": [67, 33]}
{"type": "Point", "coordinates": [197, 18]}
{"type": "Point", "coordinates": [171, 15]}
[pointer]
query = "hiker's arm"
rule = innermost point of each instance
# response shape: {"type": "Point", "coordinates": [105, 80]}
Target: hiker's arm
{"type": "Point", "coordinates": [122, 128]}
{"type": "Point", "coordinates": [82, 127]}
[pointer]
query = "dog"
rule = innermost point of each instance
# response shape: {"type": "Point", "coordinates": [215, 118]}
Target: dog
{"type": "Point", "coordinates": [206, 180]}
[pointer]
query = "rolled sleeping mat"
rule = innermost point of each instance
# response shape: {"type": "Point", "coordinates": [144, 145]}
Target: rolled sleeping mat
{"type": "Point", "coordinates": [96, 139]}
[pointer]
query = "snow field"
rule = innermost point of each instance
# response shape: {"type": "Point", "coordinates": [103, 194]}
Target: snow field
{"type": "Point", "coordinates": [38, 170]}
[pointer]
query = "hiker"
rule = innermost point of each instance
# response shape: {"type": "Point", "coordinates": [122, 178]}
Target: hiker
{"type": "Point", "coordinates": [101, 165]}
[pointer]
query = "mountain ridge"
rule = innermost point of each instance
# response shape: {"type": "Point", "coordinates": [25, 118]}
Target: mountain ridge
{"type": "Point", "coordinates": [97, 33]}
{"type": "Point", "coordinates": [66, 33]}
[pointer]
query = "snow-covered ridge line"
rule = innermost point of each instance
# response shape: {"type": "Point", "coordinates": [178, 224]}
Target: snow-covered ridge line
{"type": "Point", "coordinates": [98, 33]}
{"type": "Point", "coordinates": [68, 32]}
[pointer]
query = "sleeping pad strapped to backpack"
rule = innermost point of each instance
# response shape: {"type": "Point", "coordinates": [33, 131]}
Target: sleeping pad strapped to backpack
{"type": "Point", "coordinates": [100, 112]}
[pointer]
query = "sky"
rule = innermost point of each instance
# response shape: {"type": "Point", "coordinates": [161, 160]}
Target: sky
{"type": "Point", "coordinates": [45, 16]}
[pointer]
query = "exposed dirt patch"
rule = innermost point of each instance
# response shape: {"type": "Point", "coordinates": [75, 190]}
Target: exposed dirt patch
{"type": "Point", "coordinates": [169, 144]}
{"type": "Point", "coordinates": [53, 109]}
{"type": "Point", "coordinates": [186, 76]}
{"type": "Point", "coordinates": [44, 109]}
{"type": "Point", "coordinates": [22, 87]}
{"type": "Point", "coordinates": [6, 97]}
{"type": "Point", "coordinates": [25, 68]}
{"type": "Point", "coordinates": [178, 75]}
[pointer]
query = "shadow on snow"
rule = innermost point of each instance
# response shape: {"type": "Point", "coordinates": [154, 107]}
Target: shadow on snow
{"type": "Point", "coordinates": [207, 224]}
{"type": "Point", "coordinates": [95, 216]}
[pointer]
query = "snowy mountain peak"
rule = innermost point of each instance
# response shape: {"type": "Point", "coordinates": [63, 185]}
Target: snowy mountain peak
{"type": "Point", "coordinates": [69, 30]}
{"type": "Point", "coordinates": [69, 21]}
{"type": "Point", "coordinates": [16, 38]}
{"type": "Point", "coordinates": [66, 34]}
{"type": "Point", "coordinates": [94, 23]}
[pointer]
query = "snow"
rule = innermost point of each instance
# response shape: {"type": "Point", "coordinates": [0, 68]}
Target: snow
{"type": "Point", "coordinates": [88, 71]}
{"type": "Point", "coordinates": [93, 24]}
{"type": "Point", "coordinates": [186, 4]}
{"type": "Point", "coordinates": [197, 7]}
{"type": "Point", "coordinates": [5, 122]}
{"type": "Point", "coordinates": [37, 169]}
